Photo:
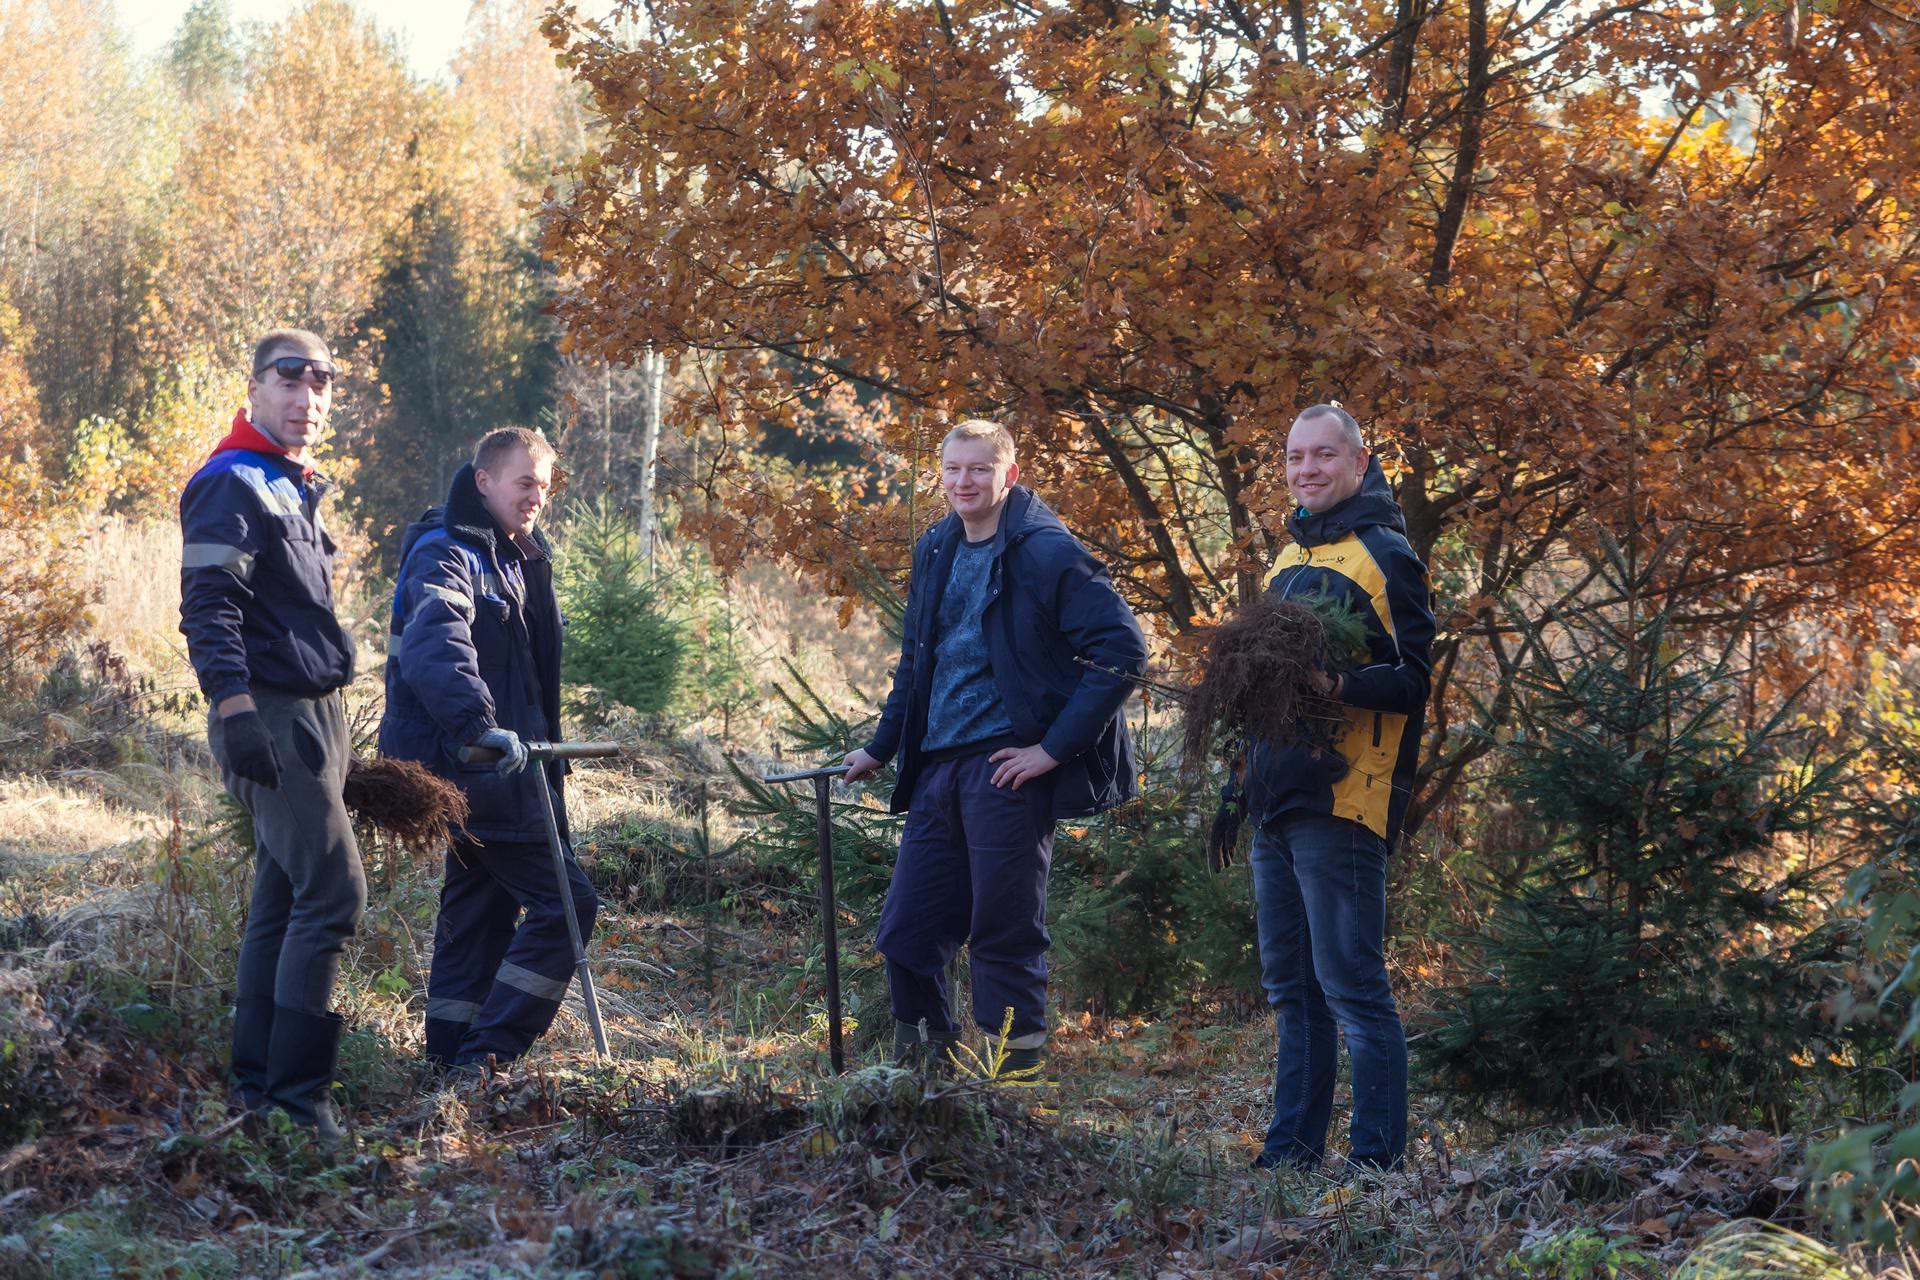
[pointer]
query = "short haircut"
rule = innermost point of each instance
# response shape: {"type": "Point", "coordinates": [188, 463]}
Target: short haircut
{"type": "Point", "coordinates": [300, 341]}
{"type": "Point", "coordinates": [1349, 429]}
{"type": "Point", "coordinates": [500, 444]}
{"type": "Point", "coordinates": [982, 429]}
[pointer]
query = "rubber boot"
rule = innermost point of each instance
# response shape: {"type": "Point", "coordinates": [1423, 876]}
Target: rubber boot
{"type": "Point", "coordinates": [300, 1062]}
{"type": "Point", "coordinates": [443, 1042]}
{"type": "Point", "coordinates": [1021, 1066]}
{"type": "Point", "coordinates": [917, 1049]}
{"type": "Point", "coordinates": [252, 1033]}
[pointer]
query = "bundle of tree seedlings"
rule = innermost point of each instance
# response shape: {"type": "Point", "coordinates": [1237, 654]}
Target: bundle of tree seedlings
{"type": "Point", "coordinates": [1262, 676]}
{"type": "Point", "coordinates": [420, 810]}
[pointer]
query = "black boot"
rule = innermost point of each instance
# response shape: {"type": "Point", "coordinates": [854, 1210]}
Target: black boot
{"type": "Point", "coordinates": [252, 1032]}
{"type": "Point", "coordinates": [443, 1042]}
{"type": "Point", "coordinates": [918, 1049]}
{"type": "Point", "coordinates": [300, 1063]}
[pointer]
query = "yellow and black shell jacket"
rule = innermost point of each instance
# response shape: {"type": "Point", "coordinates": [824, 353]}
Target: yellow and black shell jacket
{"type": "Point", "coordinates": [1357, 551]}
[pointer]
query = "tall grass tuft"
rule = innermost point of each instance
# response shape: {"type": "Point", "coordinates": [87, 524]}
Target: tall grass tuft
{"type": "Point", "coordinates": [1762, 1251]}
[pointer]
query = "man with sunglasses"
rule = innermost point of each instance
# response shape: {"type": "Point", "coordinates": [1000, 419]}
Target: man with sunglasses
{"type": "Point", "coordinates": [256, 606]}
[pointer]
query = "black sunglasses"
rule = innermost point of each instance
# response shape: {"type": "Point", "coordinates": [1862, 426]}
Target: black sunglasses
{"type": "Point", "coordinates": [292, 367]}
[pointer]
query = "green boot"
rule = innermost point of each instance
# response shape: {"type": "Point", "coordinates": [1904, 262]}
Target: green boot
{"type": "Point", "coordinates": [1021, 1066]}
{"type": "Point", "coordinates": [916, 1049]}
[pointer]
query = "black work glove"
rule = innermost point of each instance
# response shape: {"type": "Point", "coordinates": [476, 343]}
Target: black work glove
{"type": "Point", "coordinates": [1223, 837]}
{"type": "Point", "coordinates": [250, 752]}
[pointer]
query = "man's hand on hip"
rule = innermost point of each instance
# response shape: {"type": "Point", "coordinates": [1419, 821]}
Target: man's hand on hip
{"type": "Point", "coordinates": [1021, 764]}
{"type": "Point", "coordinates": [250, 752]}
{"type": "Point", "coordinates": [860, 765]}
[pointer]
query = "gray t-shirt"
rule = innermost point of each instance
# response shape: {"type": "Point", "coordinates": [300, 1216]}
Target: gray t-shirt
{"type": "Point", "coordinates": [965, 704]}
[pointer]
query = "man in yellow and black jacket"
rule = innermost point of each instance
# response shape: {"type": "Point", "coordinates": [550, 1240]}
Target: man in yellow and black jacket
{"type": "Point", "coordinates": [1324, 822]}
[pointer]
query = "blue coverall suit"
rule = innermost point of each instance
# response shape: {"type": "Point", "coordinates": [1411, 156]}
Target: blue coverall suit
{"type": "Point", "coordinates": [475, 645]}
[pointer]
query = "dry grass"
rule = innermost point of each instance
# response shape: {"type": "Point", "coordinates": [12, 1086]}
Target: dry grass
{"type": "Point", "coordinates": [1134, 1164]}
{"type": "Point", "coordinates": [787, 619]}
{"type": "Point", "coordinates": [133, 567]}
{"type": "Point", "coordinates": [55, 819]}
{"type": "Point", "coordinates": [599, 796]}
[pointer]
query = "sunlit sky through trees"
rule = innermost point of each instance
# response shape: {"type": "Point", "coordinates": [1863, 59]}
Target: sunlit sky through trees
{"type": "Point", "coordinates": [429, 30]}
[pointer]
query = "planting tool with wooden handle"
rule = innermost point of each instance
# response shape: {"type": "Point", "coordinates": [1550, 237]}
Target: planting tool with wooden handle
{"type": "Point", "coordinates": [537, 754]}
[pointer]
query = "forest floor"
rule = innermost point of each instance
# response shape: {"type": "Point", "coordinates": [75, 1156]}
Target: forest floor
{"type": "Point", "coordinates": [715, 1141]}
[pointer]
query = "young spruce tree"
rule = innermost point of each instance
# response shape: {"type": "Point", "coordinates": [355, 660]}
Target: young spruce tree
{"type": "Point", "coordinates": [621, 646]}
{"type": "Point", "coordinates": [1649, 954]}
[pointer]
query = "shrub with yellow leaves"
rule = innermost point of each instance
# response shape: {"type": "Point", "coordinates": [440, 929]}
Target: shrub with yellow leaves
{"type": "Point", "coordinates": [40, 603]}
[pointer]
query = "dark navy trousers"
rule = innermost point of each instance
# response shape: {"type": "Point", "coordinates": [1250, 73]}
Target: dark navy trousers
{"type": "Point", "coordinates": [972, 870]}
{"type": "Point", "coordinates": [495, 987]}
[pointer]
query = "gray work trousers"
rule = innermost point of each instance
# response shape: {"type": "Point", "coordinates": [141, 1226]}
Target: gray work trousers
{"type": "Point", "coordinates": [308, 885]}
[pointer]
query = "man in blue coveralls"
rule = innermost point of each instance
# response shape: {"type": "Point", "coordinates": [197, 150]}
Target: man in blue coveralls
{"type": "Point", "coordinates": [1001, 729]}
{"type": "Point", "coordinates": [256, 606]}
{"type": "Point", "coordinates": [473, 660]}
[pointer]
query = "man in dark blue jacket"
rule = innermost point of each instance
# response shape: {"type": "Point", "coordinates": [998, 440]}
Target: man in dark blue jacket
{"type": "Point", "coordinates": [1325, 821]}
{"type": "Point", "coordinates": [1001, 730]}
{"type": "Point", "coordinates": [256, 606]}
{"type": "Point", "coordinates": [473, 659]}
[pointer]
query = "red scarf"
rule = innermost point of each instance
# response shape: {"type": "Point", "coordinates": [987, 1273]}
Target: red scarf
{"type": "Point", "coordinates": [244, 435]}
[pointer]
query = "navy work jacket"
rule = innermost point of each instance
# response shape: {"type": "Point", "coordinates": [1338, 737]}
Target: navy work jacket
{"type": "Point", "coordinates": [256, 574]}
{"type": "Point", "coordinates": [1048, 602]}
{"type": "Point", "coordinates": [461, 660]}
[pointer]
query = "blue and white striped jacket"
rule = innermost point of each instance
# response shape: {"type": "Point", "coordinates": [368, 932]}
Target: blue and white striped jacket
{"type": "Point", "coordinates": [256, 578]}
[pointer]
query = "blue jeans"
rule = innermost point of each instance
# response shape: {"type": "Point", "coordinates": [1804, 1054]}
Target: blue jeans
{"type": "Point", "coordinates": [1320, 883]}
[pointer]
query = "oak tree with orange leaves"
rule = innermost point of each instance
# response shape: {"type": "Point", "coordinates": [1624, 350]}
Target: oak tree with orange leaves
{"type": "Point", "coordinates": [1642, 269]}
